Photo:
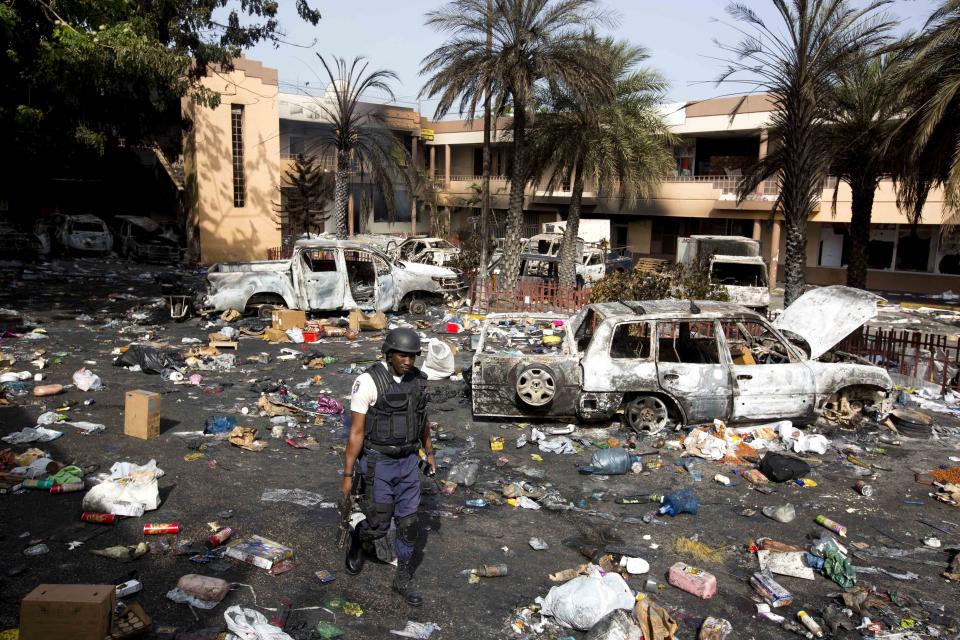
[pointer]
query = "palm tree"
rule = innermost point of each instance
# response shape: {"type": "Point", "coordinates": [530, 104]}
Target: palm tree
{"type": "Point", "coordinates": [859, 121]}
{"type": "Point", "coordinates": [928, 73]}
{"type": "Point", "coordinates": [530, 41]}
{"type": "Point", "coordinates": [798, 65]}
{"type": "Point", "coordinates": [358, 135]}
{"type": "Point", "coordinates": [618, 143]}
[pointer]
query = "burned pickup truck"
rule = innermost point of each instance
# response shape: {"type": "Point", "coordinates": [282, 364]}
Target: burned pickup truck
{"type": "Point", "coordinates": [329, 275]}
{"type": "Point", "coordinates": [668, 363]}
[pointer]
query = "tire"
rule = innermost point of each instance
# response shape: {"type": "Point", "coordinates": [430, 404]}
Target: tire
{"type": "Point", "coordinates": [646, 415]}
{"type": "Point", "coordinates": [536, 385]}
{"type": "Point", "coordinates": [417, 306]}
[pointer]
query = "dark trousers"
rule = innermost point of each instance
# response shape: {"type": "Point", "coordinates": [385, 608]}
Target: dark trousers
{"type": "Point", "coordinates": [392, 491]}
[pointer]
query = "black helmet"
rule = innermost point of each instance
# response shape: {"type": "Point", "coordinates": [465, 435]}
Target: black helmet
{"type": "Point", "coordinates": [402, 340]}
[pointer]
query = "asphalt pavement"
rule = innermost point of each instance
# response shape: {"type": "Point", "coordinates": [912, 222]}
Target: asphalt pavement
{"type": "Point", "coordinates": [87, 308]}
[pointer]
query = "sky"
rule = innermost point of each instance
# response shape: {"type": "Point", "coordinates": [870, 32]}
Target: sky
{"type": "Point", "coordinates": [680, 36]}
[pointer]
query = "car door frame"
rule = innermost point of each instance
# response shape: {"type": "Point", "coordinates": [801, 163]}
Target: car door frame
{"type": "Point", "coordinates": [771, 391]}
{"type": "Point", "coordinates": [310, 281]}
{"type": "Point", "coordinates": [704, 391]}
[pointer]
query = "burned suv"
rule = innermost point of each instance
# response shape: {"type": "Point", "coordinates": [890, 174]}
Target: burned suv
{"type": "Point", "coordinates": [668, 362]}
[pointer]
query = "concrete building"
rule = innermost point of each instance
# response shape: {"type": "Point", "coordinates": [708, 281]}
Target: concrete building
{"type": "Point", "coordinates": [720, 138]}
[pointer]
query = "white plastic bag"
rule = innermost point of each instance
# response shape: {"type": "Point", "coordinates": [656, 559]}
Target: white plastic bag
{"type": "Point", "coordinates": [585, 600]}
{"type": "Point", "coordinates": [801, 442]}
{"type": "Point", "coordinates": [249, 624]}
{"type": "Point", "coordinates": [438, 365]}
{"type": "Point", "coordinates": [87, 380]}
{"type": "Point", "coordinates": [128, 482]}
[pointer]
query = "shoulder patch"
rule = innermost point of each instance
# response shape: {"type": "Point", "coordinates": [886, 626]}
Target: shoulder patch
{"type": "Point", "coordinates": [356, 386]}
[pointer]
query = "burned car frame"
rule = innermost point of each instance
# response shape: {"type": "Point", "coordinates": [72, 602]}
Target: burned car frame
{"type": "Point", "coordinates": [667, 363]}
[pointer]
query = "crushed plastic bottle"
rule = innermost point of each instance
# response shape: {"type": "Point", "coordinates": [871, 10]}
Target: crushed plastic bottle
{"type": "Point", "coordinates": [616, 461]}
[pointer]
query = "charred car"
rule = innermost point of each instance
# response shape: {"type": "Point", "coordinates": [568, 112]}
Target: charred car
{"type": "Point", "coordinates": [141, 238]}
{"type": "Point", "coordinates": [330, 275]}
{"type": "Point", "coordinates": [82, 234]}
{"type": "Point", "coordinates": [435, 251]}
{"type": "Point", "coordinates": [668, 363]}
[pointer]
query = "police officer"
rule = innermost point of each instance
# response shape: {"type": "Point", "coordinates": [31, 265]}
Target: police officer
{"type": "Point", "coordinates": [388, 409]}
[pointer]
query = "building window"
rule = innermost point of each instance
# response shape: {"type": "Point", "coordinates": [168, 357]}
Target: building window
{"type": "Point", "coordinates": [296, 145]}
{"type": "Point", "coordinates": [913, 248]}
{"type": "Point", "coordinates": [236, 127]}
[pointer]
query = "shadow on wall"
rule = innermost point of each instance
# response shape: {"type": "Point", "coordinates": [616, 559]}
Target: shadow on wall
{"type": "Point", "coordinates": [229, 233]}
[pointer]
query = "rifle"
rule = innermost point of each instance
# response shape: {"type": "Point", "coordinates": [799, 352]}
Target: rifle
{"type": "Point", "coordinates": [345, 508]}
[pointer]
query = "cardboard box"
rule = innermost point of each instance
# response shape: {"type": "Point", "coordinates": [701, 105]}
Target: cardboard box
{"type": "Point", "coordinates": [275, 335]}
{"type": "Point", "coordinates": [284, 319]}
{"type": "Point", "coordinates": [359, 321]}
{"type": "Point", "coordinates": [67, 612]}
{"type": "Point", "coordinates": [141, 414]}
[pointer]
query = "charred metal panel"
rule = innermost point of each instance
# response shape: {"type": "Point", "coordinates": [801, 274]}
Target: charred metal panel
{"type": "Point", "coordinates": [765, 391]}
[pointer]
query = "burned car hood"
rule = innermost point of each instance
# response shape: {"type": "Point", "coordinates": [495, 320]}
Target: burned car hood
{"type": "Point", "coordinates": [428, 270]}
{"type": "Point", "coordinates": [825, 316]}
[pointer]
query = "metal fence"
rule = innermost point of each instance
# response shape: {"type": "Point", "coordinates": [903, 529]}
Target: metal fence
{"type": "Point", "coordinates": [528, 297]}
{"type": "Point", "coordinates": [915, 358]}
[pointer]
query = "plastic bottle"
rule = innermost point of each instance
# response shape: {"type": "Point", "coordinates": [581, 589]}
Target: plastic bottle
{"type": "Point", "coordinates": [69, 487]}
{"type": "Point", "coordinates": [693, 580]}
{"type": "Point", "coordinates": [45, 484]}
{"type": "Point", "coordinates": [488, 571]}
{"type": "Point", "coordinates": [810, 623]}
{"type": "Point", "coordinates": [284, 607]}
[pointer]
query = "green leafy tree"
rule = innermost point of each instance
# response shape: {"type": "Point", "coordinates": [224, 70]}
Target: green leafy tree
{"type": "Point", "coordinates": [359, 136]}
{"type": "Point", "coordinates": [307, 191]}
{"type": "Point", "coordinates": [858, 122]}
{"type": "Point", "coordinates": [99, 74]}
{"type": "Point", "coordinates": [530, 41]}
{"type": "Point", "coordinates": [619, 143]}
{"type": "Point", "coordinates": [798, 62]}
{"type": "Point", "coordinates": [928, 75]}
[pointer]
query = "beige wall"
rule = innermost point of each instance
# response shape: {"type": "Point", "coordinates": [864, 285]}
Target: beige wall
{"type": "Point", "coordinates": [228, 233]}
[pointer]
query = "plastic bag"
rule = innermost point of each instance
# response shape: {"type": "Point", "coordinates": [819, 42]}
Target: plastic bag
{"type": "Point", "coordinates": [799, 441]}
{"type": "Point", "coordinates": [703, 445]}
{"type": "Point", "coordinates": [781, 468]}
{"type": "Point", "coordinates": [249, 624]}
{"type": "Point", "coordinates": [128, 482]}
{"type": "Point", "coordinates": [464, 473]}
{"type": "Point", "coordinates": [617, 625]}
{"type": "Point", "coordinates": [87, 380]}
{"type": "Point", "coordinates": [439, 364]}
{"type": "Point", "coordinates": [219, 424]}
{"type": "Point", "coordinates": [149, 359]}
{"type": "Point", "coordinates": [609, 462]}
{"type": "Point", "coordinates": [585, 600]}
{"type": "Point", "coordinates": [31, 434]}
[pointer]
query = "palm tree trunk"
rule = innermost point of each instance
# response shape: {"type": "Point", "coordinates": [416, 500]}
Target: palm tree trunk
{"type": "Point", "coordinates": [861, 207]}
{"type": "Point", "coordinates": [795, 261]}
{"type": "Point", "coordinates": [485, 180]}
{"type": "Point", "coordinates": [568, 246]}
{"type": "Point", "coordinates": [340, 193]}
{"type": "Point", "coordinates": [510, 270]}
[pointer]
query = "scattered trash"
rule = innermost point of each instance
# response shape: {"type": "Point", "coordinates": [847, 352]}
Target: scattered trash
{"type": "Point", "coordinates": [300, 497]}
{"type": "Point", "coordinates": [538, 544]}
{"type": "Point", "coordinates": [693, 580]}
{"type": "Point", "coordinates": [783, 513]}
{"type": "Point", "coordinates": [582, 602]}
{"type": "Point", "coordinates": [417, 630]}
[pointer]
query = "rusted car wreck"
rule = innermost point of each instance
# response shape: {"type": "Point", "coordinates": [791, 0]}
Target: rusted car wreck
{"type": "Point", "coordinates": [668, 363]}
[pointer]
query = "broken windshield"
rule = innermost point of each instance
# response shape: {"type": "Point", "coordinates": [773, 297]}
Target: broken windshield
{"type": "Point", "coordinates": [738, 274]}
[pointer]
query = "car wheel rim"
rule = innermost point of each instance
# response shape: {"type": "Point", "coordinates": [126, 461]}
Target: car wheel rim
{"type": "Point", "coordinates": [536, 387]}
{"type": "Point", "coordinates": [647, 414]}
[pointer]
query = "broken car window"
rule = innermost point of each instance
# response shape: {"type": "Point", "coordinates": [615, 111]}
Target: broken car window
{"type": "Point", "coordinates": [320, 260]}
{"type": "Point", "coordinates": [631, 340]}
{"type": "Point", "coordinates": [692, 342]}
{"type": "Point", "coordinates": [516, 337]}
{"type": "Point", "coordinates": [738, 274]}
{"type": "Point", "coordinates": [750, 342]}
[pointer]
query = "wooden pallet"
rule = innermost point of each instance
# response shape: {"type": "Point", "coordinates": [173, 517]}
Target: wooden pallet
{"type": "Point", "coordinates": [225, 344]}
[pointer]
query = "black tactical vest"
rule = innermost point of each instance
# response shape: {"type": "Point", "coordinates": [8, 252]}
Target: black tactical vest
{"type": "Point", "coordinates": [394, 422]}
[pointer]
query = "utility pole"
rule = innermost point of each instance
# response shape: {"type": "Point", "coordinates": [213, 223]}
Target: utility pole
{"type": "Point", "coordinates": [485, 180]}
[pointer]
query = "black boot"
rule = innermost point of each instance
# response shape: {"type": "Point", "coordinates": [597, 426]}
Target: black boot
{"type": "Point", "coordinates": [355, 556]}
{"type": "Point", "coordinates": [402, 584]}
